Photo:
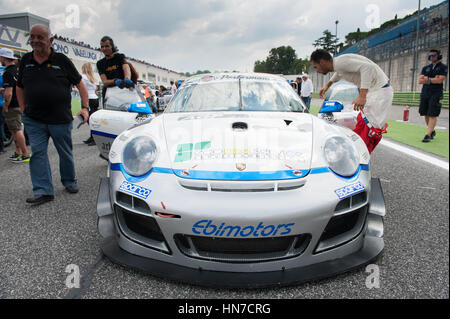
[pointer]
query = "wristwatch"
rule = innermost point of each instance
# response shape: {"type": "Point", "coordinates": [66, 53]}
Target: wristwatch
{"type": "Point", "coordinates": [86, 107]}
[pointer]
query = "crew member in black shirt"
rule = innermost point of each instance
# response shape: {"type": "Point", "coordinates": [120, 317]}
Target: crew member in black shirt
{"type": "Point", "coordinates": [43, 92]}
{"type": "Point", "coordinates": [113, 68]}
{"type": "Point", "coordinates": [432, 78]}
{"type": "Point", "coordinates": [12, 114]}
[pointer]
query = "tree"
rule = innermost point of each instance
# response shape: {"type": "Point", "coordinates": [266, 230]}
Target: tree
{"type": "Point", "coordinates": [327, 42]}
{"type": "Point", "coordinates": [282, 60]}
{"type": "Point", "coordinates": [353, 37]}
{"type": "Point", "coordinates": [260, 66]}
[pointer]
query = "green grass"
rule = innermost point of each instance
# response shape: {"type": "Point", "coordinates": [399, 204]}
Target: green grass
{"type": "Point", "coordinates": [76, 106]}
{"type": "Point", "coordinates": [412, 135]}
{"type": "Point", "coordinates": [314, 109]}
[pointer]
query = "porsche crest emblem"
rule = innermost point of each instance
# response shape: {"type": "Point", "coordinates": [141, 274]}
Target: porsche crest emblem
{"type": "Point", "coordinates": [241, 166]}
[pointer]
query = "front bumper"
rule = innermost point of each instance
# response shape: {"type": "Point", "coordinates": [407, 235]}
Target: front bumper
{"type": "Point", "coordinates": [362, 249]}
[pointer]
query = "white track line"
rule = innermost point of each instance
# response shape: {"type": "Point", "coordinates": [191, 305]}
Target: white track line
{"type": "Point", "coordinates": [416, 154]}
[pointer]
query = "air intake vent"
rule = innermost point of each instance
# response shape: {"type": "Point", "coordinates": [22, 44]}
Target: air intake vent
{"type": "Point", "coordinates": [342, 228]}
{"type": "Point", "coordinates": [141, 228]}
{"type": "Point", "coordinates": [238, 250]}
{"type": "Point", "coordinates": [240, 126]}
{"type": "Point", "coordinates": [133, 203]}
{"type": "Point", "coordinates": [349, 203]}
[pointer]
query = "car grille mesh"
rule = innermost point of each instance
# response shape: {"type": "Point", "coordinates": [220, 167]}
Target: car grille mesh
{"type": "Point", "coordinates": [241, 187]}
{"type": "Point", "coordinates": [238, 250]}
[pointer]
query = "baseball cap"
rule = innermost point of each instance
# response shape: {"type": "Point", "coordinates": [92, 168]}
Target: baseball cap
{"type": "Point", "coordinates": [7, 53]}
{"type": "Point", "coordinates": [304, 75]}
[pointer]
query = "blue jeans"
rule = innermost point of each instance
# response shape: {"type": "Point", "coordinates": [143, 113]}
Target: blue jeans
{"type": "Point", "coordinates": [2, 128]}
{"type": "Point", "coordinates": [41, 176]}
{"type": "Point", "coordinates": [307, 101]}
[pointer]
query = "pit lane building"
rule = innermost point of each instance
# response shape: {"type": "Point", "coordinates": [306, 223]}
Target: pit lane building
{"type": "Point", "coordinates": [14, 30]}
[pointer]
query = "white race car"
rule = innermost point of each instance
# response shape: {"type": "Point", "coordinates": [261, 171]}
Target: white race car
{"type": "Point", "coordinates": [123, 109]}
{"type": "Point", "coordinates": [237, 185]}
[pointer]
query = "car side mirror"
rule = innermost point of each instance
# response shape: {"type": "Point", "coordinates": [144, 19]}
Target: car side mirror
{"type": "Point", "coordinates": [141, 107]}
{"type": "Point", "coordinates": [331, 106]}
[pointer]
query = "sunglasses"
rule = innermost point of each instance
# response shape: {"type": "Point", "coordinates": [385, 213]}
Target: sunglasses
{"type": "Point", "coordinates": [432, 56]}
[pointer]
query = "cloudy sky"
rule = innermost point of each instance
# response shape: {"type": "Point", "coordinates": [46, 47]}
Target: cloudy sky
{"type": "Point", "coordinates": [190, 35]}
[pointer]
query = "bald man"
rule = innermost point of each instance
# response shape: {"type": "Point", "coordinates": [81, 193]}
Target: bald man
{"type": "Point", "coordinates": [43, 91]}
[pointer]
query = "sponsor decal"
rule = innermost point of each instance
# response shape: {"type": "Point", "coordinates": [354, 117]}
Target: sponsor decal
{"type": "Point", "coordinates": [184, 151]}
{"type": "Point", "coordinates": [203, 151]}
{"type": "Point", "coordinates": [134, 189]}
{"type": "Point", "coordinates": [207, 227]}
{"type": "Point", "coordinates": [349, 190]}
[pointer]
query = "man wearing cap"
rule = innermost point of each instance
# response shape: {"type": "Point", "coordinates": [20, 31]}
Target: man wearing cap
{"type": "Point", "coordinates": [375, 96]}
{"type": "Point", "coordinates": [11, 110]}
{"type": "Point", "coordinates": [306, 91]}
{"type": "Point", "coordinates": [43, 92]}
{"type": "Point", "coordinates": [432, 77]}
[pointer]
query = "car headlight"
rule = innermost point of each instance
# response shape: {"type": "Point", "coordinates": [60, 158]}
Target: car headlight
{"type": "Point", "coordinates": [139, 155]}
{"type": "Point", "coordinates": [341, 156]}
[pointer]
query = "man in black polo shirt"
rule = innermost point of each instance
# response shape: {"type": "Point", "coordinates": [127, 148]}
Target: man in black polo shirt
{"type": "Point", "coordinates": [113, 68]}
{"type": "Point", "coordinates": [11, 111]}
{"type": "Point", "coordinates": [43, 92]}
{"type": "Point", "coordinates": [432, 78]}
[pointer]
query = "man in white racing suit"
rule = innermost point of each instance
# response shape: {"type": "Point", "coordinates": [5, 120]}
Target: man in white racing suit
{"type": "Point", "coordinates": [376, 94]}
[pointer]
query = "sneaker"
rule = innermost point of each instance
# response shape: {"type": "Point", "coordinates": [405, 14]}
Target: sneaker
{"type": "Point", "coordinates": [14, 156]}
{"type": "Point", "coordinates": [89, 140]}
{"type": "Point", "coordinates": [426, 139]}
{"type": "Point", "coordinates": [433, 134]}
{"type": "Point", "coordinates": [21, 159]}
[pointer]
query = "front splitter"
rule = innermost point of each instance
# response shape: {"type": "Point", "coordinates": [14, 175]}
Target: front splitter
{"type": "Point", "coordinates": [371, 249]}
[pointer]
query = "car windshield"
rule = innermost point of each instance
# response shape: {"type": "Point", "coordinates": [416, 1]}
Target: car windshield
{"type": "Point", "coordinates": [119, 99]}
{"type": "Point", "coordinates": [236, 93]}
{"type": "Point", "coordinates": [344, 92]}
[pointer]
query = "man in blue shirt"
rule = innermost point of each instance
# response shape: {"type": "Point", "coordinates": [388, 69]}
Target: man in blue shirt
{"type": "Point", "coordinates": [432, 77]}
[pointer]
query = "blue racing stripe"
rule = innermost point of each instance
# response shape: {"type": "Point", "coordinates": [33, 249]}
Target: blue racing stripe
{"type": "Point", "coordinates": [240, 176]}
{"type": "Point", "coordinates": [103, 134]}
{"type": "Point", "coordinates": [235, 176]}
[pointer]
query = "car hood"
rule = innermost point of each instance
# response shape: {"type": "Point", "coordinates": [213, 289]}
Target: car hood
{"type": "Point", "coordinates": [276, 143]}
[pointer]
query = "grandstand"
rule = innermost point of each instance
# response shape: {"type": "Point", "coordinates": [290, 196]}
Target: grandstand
{"type": "Point", "coordinates": [393, 48]}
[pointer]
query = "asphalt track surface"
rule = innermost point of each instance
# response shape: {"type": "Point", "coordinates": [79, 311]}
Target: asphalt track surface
{"type": "Point", "coordinates": [37, 244]}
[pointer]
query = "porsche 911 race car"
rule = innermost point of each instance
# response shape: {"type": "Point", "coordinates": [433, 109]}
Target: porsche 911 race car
{"type": "Point", "coordinates": [237, 185]}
